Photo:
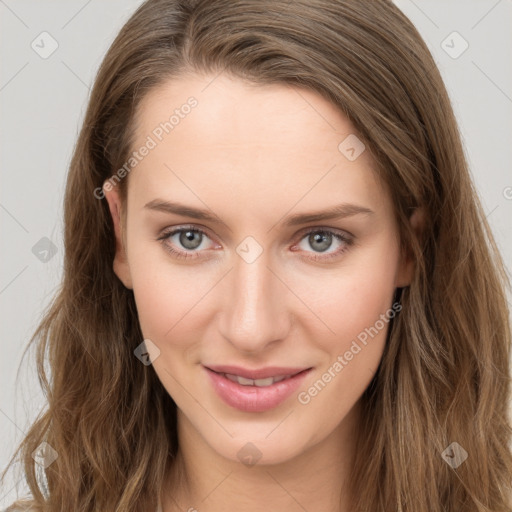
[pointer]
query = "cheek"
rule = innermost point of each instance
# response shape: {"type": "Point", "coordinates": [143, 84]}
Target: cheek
{"type": "Point", "coordinates": [349, 299]}
{"type": "Point", "coordinates": [174, 301]}
{"type": "Point", "coordinates": [361, 303]}
{"type": "Point", "coordinates": [358, 308]}
{"type": "Point", "coordinates": [164, 301]}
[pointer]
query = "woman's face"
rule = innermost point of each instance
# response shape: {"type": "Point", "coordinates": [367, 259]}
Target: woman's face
{"type": "Point", "coordinates": [253, 282]}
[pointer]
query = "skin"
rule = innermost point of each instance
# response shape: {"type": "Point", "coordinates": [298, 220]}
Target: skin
{"type": "Point", "coordinates": [254, 155]}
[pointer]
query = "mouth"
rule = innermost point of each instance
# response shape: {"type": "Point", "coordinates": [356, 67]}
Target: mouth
{"type": "Point", "coordinates": [255, 394]}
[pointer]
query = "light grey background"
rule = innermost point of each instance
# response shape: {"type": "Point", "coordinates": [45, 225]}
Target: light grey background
{"type": "Point", "coordinates": [43, 100]}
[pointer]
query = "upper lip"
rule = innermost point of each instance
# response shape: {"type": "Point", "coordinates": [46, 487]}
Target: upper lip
{"type": "Point", "coordinates": [260, 373]}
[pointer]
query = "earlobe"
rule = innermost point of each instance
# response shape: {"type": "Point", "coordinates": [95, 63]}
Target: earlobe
{"type": "Point", "coordinates": [120, 264]}
{"type": "Point", "coordinates": [408, 266]}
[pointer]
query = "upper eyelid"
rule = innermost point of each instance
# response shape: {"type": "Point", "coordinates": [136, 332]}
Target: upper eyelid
{"type": "Point", "coordinates": [302, 232]}
{"type": "Point", "coordinates": [337, 231]}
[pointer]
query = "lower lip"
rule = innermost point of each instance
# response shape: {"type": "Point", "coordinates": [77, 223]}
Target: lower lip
{"type": "Point", "coordinates": [254, 398]}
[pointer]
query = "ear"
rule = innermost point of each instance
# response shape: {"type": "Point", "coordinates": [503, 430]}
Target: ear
{"type": "Point", "coordinates": [405, 273]}
{"type": "Point", "coordinates": [120, 264]}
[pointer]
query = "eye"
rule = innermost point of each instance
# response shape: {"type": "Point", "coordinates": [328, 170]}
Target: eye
{"type": "Point", "coordinates": [321, 240]}
{"type": "Point", "coordinates": [188, 237]}
{"type": "Point", "coordinates": [189, 240]}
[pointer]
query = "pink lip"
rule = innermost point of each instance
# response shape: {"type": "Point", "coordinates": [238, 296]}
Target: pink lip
{"type": "Point", "coordinates": [254, 398]}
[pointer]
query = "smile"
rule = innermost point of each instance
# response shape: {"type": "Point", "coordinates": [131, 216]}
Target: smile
{"type": "Point", "coordinates": [255, 394]}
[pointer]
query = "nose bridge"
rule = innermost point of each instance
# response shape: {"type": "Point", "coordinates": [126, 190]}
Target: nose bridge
{"type": "Point", "coordinates": [253, 310]}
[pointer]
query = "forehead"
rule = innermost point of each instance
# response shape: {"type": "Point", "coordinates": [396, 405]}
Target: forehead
{"type": "Point", "coordinates": [236, 112]}
{"type": "Point", "coordinates": [255, 142]}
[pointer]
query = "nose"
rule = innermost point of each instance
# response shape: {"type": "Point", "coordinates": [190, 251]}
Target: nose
{"type": "Point", "coordinates": [253, 312]}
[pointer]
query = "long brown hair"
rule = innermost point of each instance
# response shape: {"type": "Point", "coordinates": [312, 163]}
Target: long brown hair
{"type": "Point", "coordinates": [445, 374]}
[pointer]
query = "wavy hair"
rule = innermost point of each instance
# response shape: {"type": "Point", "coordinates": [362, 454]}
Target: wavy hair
{"type": "Point", "coordinates": [445, 371]}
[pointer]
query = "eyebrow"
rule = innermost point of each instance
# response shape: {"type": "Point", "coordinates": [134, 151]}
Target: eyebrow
{"type": "Point", "coordinates": [335, 212]}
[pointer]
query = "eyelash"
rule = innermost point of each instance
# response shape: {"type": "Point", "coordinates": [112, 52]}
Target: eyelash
{"type": "Point", "coordinates": [191, 254]}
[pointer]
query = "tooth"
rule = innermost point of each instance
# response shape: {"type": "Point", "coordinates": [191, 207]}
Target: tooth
{"type": "Point", "coordinates": [264, 382]}
{"type": "Point", "coordinates": [255, 382]}
{"type": "Point", "coordinates": [239, 380]}
{"type": "Point", "coordinates": [245, 382]}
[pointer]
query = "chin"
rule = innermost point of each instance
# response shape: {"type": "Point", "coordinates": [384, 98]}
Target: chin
{"type": "Point", "coordinates": [259, 448]}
